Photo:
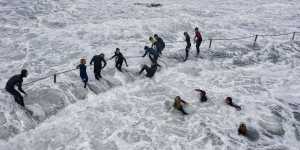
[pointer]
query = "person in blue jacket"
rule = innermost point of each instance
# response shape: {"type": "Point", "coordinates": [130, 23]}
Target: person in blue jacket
{"type": "Point", "coordinates": [83, 75]}
{"type": "Point", "coordinates": [153, 54]}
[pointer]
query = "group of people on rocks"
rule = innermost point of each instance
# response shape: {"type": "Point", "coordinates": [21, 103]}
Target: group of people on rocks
{"type": "Point", "coordinates": [154, 52]}
{"type": "Point", "coordinates": [99, 61]}
{"type": "Point", "coordinates": [179, 104]}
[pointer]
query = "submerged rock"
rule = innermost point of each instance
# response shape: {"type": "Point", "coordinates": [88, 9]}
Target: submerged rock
{"type": "Point", "coordinates": [252, 134]}
{"type": "Point", "coordinates": [6, 132]}
{"type": "Point", "coordinates": [272, 126]}
{"type": "Point", "coordinates": [2, 118]}
{"type": "Point", "coordinates": [297, 116]}
{"type": "Point", "coordinates": [297, 132]}
{"type": "Point", "coordinates": [50, 100]}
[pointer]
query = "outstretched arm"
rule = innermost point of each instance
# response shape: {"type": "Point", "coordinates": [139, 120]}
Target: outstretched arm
{"type": "Point", "coordinates": [198, 90]}
{"type": "Point", "coordinates": [93, 59]}
{"type": "Point", "coordinates": [145, 53]}
{"type": "Point", "coordinates": [104, 63]}
{"type": "Point", "coordinates": [112, 57]}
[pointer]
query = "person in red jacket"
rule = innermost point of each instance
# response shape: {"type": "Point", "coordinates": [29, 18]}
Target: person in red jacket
{"type": "Point", "coordinates": [198, 40]}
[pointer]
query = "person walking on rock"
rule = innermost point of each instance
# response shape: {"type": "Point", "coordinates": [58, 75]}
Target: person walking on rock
{"type": "Point", "coordinates": [119, 58]}
{"type": "Point", "coordinates": [83, 75]}
{"type": "Point", "coordinates": [97, 60]}
{"type": "Point", "coordinates": [197, 40]}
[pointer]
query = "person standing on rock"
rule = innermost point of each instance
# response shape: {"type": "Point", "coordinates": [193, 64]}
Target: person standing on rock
{"type": "Point", "coordinates": [97, 60]}
{"type": "Point", "coordinates": [188, 45]}
{"type": "Point", "coordinates": [119, 58]}
{"type": "Point", "coordinates": [83, 74]}
{"type": "Point", "coordinates": [159, 43]}
{"type": "Point", "coordinates": [197, 40]}
{"type": "Point", "coordinates": [17, 80]}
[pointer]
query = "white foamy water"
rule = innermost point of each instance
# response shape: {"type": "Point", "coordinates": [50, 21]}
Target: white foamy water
{"type": "Point", "coordinates": [127, 111]}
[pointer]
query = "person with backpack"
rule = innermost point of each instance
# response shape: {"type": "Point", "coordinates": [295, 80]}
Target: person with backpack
{"type": "Point", "coordinates": [17, 80]}
{"type": "Point", "coordinates": [82, 69]}
{"type": "Point", "coordinates": [188, 45]}
{"type": "Point", "coordinates": [197, 40]}
{"type": "Point", "coordinates": [159, 43]}
{"type": "Point", "coordinates": [119, 58]}
{"type": "Point", "coordinates": [97, 60]}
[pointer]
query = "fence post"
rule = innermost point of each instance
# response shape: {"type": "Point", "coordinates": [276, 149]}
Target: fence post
{"type": "Point", "coordinates": [293, 38]}
{"type": "Point", "coordinates": [210, 41]}
{"type": "Point", "coordinates": [256, 36]}
{"type": "Point", "coordinates": [54, 78]}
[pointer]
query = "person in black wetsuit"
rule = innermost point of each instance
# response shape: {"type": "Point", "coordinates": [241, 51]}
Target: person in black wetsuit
{"type": "Point", "coordinates": [83, 74]}
{"type": "Point", "coordinates": [159, 43]}
{"type": "Point", "coordinates": [153, 54]}
{"type": "Point", "coordinates": [228, 101]}
{"type": "Point", "coordinates": [188, 45]}
{"type": "Point", "coordinates": [17, 80]}
{"type": "Point", "coordinates": [97, 60]}
{"type": "Point", "coordinates": [178, 104]}
{"type": "Point", "coordinates": [150, 71]}
{"type": "Point", "coordinates": [203, 97]}
{"type": "Point", "coordinates": [119, 58]}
